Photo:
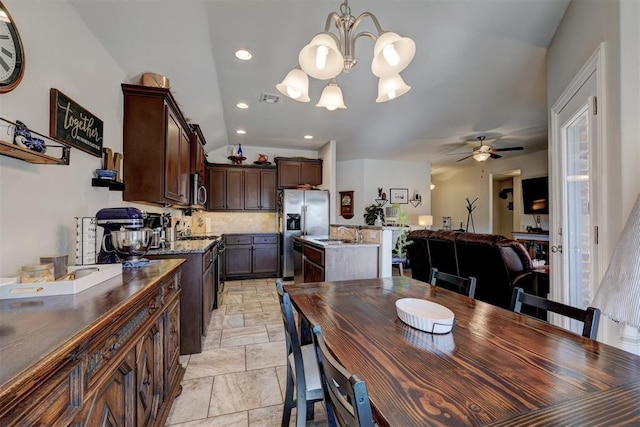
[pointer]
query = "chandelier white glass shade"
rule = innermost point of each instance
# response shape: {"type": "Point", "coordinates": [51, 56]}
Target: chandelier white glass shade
{"type": "Point", "coordinates": [295, 85]}
{"type": "Point", "coordinates": [391, 87]}
{"type": "Point", "coordinates": [327, 55]}
{"type": "Point", "coordinates": [331, 97]}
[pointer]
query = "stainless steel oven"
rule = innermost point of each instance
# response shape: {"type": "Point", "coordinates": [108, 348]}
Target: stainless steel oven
{"type": "Point", "coordinates": [198, 191]}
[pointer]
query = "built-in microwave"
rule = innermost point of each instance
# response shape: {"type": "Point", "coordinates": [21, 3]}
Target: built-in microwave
{"type": "Point", "coordinates": [198, 191]}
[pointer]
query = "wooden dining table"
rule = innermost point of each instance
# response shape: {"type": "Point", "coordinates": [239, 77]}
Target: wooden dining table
{"type": "Point", "coordinates": [494, 368]}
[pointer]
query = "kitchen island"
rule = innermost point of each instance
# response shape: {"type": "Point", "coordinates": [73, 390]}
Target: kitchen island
{"type": "Point", "coordinates": [328, 258]}
{"type": "Point", "coordinates": [201, 287]}
{"type": "Point", "coordinates": [106, 355]}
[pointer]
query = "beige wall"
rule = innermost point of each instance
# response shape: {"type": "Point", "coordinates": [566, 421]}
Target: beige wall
{"type": "Point", "coordinates": [586, 25]}
{"type": "Point", "coordinates": [448, 198]}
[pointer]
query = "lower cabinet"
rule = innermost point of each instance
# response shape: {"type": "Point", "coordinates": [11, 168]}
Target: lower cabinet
{"type": "Point", "coordinates": [251, 255]}
{"type": "Point", "coordinates": [198, 298]}
{"type": "Point", "coordinates": [112, 403]}
{"type": "Point", "coordinates": [313, 264]}
{"type": "Point", "coordinates": [124, 372]}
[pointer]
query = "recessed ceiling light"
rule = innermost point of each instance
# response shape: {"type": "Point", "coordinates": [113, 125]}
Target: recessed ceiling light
{"type": "Point", "coordinates": [241, 131]}
{"type": "Point", "coordinates": [308, 137]}
{"type": "Point", "coordinates": [243, 54]}
{"type": "Point", "coordinates": [242, 105]}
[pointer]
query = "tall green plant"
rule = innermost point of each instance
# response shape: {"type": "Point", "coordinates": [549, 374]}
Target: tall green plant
{"type": "Point", "coordinates": [403, 222]}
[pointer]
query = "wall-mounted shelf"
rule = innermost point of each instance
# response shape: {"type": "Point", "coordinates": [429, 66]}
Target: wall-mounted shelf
{"type": "Point", "coordinates": [415, 202]}
{"type": "Point", "coordinates": [111, 184]}
{"type": "Point", "coordinates": [381, 202]}
{"type": "Point", "coordinates": [17, 152]}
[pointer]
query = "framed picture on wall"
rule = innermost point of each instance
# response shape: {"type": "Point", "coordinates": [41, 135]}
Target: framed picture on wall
{"type": "Point", "coordinates": [399, 195]}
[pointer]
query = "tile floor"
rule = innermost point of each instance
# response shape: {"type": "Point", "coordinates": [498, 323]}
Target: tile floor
{"type": "Point", "coordinates": [239, 378]}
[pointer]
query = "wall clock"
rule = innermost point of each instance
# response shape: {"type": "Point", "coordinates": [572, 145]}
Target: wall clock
{"type": "Point", "coordinates": [346, 204]}
{"type": "Point", "coordinates": [11, 52]}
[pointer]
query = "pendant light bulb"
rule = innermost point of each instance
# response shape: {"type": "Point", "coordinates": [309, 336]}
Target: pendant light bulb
{"type": "Point", "coordinates": [293, 92]}
{"type": "Point", "coordinates": [391, 55]}
{"type": "Point", "coordinates": [321, 57]}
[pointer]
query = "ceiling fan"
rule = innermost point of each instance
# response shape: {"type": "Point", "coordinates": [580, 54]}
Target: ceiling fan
{"type": "Point", "coordinates": [482, 152]}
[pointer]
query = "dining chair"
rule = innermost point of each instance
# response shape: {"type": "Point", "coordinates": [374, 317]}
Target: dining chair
{"type": "Point", "coordinates": [590, 317]}
{"type": "Point", "coordinates": [303, 373]}
{"type": "Point", "coordinates": [462, 285]}
{"type": "Point", "coordinates": [346, 396]}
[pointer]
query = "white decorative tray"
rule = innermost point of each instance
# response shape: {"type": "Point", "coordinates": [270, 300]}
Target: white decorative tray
{"type": "Point", "coordinates": [11, 288]}
{"type": "Point", "coordinates": [425, 315]}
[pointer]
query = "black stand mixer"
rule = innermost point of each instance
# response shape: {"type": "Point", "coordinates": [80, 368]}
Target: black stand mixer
{"type": "Point", "coordinates": [125, 237]}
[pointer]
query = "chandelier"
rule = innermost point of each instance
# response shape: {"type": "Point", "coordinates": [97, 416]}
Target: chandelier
{"type": "Point", "coordinates": [327, 55]}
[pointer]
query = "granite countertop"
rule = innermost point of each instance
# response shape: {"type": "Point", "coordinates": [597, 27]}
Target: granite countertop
{"type": "Point", "coordinates": [336, 243]}
{"type": "Point", "coordinates": [183, 247]}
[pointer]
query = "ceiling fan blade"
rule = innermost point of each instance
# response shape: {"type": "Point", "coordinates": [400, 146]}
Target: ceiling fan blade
{"type": "Point", "coordinates": [464, 158]}
{"type": "Point", "coordinates": [508, 149]}
{"type": "Point", "coordinates": [495, 156]}
{"type": "Point", "coordinates": [458, 154]}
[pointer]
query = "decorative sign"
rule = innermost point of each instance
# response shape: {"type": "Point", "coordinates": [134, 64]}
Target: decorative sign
{"type": "Point", "coordinates": [72, 124]}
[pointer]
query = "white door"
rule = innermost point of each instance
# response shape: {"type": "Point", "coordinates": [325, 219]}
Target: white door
{"type": "Point", "coordinates": [575, 200]}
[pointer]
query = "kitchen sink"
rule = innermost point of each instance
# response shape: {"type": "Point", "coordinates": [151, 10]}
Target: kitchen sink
{"type": "Point", "coordinates": [335, 241]}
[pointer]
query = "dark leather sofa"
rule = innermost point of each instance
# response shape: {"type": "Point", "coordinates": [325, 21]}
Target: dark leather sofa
{"type": "Point", "coordinates": [499, 264]}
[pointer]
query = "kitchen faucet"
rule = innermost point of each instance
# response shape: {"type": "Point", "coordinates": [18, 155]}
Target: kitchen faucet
{"type": "Point", "coordinates": [356, 233]}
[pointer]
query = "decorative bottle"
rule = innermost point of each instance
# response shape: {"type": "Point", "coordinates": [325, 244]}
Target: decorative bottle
{"type": "Point", "coordinates": [239, 150]}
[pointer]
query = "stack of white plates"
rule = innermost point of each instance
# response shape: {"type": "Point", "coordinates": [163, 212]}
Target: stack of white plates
{"type": "Point", "coordinates": [425, 315]}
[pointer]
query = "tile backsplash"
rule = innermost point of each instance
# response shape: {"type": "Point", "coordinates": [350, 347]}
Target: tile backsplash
{"type": "Point", "coordinates": [234, 222]}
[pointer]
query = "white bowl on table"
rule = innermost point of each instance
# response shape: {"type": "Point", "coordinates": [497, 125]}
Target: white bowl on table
{"type": "Point", "coordinates": [425, 315]}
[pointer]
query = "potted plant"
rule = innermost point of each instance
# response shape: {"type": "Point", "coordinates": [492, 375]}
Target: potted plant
{"type": "Point", "coordinates": [402, 242]}
{"type": "Point", "coordinates": [372, 212]}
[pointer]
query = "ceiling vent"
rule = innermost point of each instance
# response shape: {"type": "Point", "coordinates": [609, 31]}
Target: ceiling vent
{"type": "Point", "coordinates": [269, 98]}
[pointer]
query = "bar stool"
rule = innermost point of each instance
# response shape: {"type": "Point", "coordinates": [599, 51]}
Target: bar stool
{"type": "Point", "coordinates": [397, 261]}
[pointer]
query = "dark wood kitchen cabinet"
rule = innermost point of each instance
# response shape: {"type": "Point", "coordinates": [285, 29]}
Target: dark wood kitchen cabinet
{"type": "Point", "coordinates": [198, 157]}
{"type": "Point", "coordinates": [259, 189]}
{"type": "Point", "coordinates": [251, 255]}
{"type": "Point", "coordinates": [241, 188]}
{"type": "Point", "coordinates": [156, 147]}
{"type": "Point", "coordinates": [313, 264]}
{"type": "Point", "coordinates": [293, 172]}
{"type": "Point", "coordinates": [198, 298]}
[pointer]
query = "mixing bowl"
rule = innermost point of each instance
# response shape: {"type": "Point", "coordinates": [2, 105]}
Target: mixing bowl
{"type": "Point", "coordinates": [131, 244]}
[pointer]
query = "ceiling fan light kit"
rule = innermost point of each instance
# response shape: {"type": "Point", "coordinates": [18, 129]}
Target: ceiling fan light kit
{"type": "Point", "coordinates": [327, 55]}
{"type": "Point", "coordinates": [483, 152]}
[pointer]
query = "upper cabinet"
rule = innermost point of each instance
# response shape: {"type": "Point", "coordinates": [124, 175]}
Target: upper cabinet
{"type": "Point", "coordinates": [293, 172]}
{"type": "Point", "coordinates": [197, 152]}
{"type": "Point", "coordinates": [156, 147]}
{"type": "Point", "coordinates": [241, 188]}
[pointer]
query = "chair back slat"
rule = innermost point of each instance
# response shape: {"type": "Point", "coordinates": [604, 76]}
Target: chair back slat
{"type": "Point", "coordinates": [303, 372]}
{"type": "Point", "coordinates": [346, 395]}
{"type": "Point", "coordinates": [462, 285]}
{"type": "Point", "coordinates": [590, 317]}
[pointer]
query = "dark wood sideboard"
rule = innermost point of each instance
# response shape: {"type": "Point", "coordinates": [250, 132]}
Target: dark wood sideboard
{"type": "Point", "coordinates": [106, 356]}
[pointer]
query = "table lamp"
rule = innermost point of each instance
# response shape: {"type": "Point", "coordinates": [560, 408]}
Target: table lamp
{"type": "Point", "coordinates": [618, 296]}
{"type": "Point", "coordinates": [426, 220]}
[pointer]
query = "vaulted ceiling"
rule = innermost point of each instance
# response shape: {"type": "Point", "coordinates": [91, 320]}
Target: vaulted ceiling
{"type": "Point", "coordinates": [479, 69]}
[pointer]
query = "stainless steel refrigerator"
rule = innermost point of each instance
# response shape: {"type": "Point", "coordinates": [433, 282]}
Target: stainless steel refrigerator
{"type": "Point", "coordinates": [303, 212]}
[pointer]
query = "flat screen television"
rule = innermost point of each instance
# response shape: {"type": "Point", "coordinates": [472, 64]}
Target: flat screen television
{"type": "Point", "coordinates": [535, 195]}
